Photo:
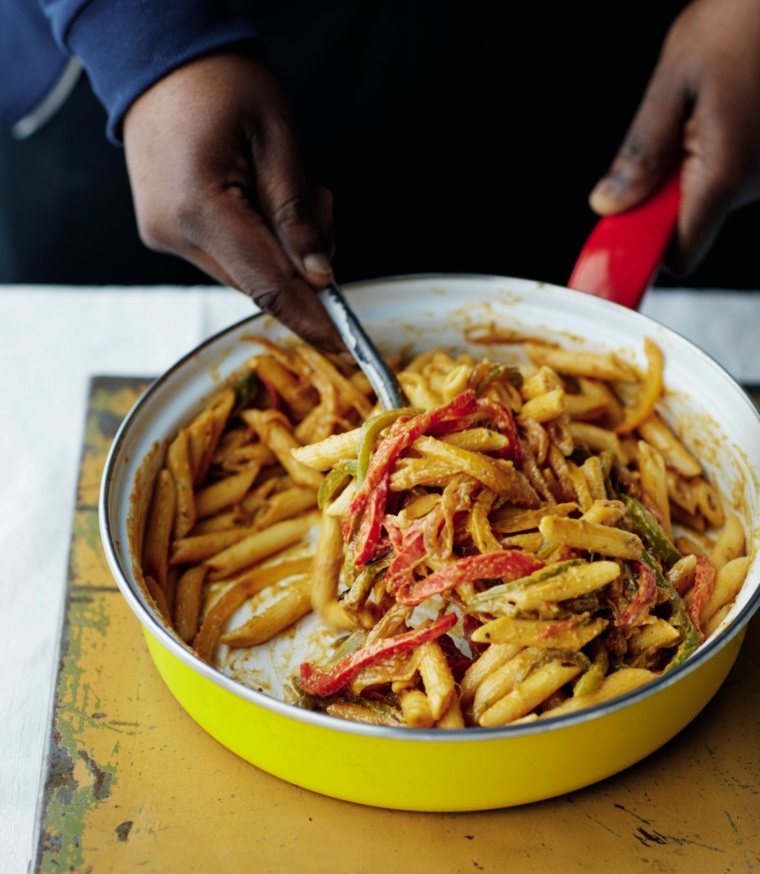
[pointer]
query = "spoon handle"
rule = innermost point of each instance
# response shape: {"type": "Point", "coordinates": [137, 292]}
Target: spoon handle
{"type": "Point", "coordinates": [381, 377]}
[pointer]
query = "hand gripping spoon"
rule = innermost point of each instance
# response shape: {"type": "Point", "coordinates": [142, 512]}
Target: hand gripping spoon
{"type": "Point", "coordinates": [380, 376]}
{"type": "Point", "coordinates": [623, 252]}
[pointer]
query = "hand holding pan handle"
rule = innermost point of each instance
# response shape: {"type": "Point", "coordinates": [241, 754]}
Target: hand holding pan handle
{"type": "Point", "coordinates": [621, 256]}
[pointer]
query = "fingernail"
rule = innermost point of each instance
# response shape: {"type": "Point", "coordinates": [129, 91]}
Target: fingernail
{"type": "Point", "coordinates": [607, 194]}
{"type": "Point", "coordinates": [318, 263]}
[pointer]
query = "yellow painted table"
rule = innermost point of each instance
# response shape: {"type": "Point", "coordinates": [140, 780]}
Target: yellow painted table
{"type": "Point", "coordinates": [134, 785]}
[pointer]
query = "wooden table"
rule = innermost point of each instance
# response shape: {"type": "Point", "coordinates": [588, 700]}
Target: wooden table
{"type": "Point", "coordinates": [133, 784]}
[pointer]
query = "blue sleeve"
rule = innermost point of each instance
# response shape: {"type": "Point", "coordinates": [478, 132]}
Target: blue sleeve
{"type": "Point", "coordinates": [128, 45]}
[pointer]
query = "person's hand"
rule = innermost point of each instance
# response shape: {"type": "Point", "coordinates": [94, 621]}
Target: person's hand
{"type": "Point", "coordinates": [702, 103]}
{"type": "Point", "coordinates": [216, 175]}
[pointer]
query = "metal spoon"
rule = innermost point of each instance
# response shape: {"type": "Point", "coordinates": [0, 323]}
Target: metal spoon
{"type": "Point", "coordinates": [380, 376]}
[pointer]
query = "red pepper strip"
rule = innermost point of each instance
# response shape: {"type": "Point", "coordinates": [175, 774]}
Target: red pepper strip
{"type": "Point", "coordinates": [371, 524]}
{"type": "Point", "coordinates": [504, 421]}
{"type": "Point", "coordinates": [643, 600]}
{"type": "Point", "coordinates": [317, 681]}
{"type": "Point", "coordinates": [511, 564]}
{"type": "Point", "coordinates": [410, 548]}
{"type": "Point", "coordinates": [470, 624]}
{"type": "Point", "coordinates": [400, 436]}
{"type": "Point", "coordinates": [704, 583]}
{"type": "Point", "coordinates": [558, 627]}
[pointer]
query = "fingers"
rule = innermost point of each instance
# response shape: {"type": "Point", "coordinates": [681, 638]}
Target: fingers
{"type": "Point", "coordinates": [717, 177]}
{"type": "Point", "coordinates": [650, 149]}
{"type": "Point", "coordinates": [287, 203]}
{"type": "Point", "coordinates": [235, 236]}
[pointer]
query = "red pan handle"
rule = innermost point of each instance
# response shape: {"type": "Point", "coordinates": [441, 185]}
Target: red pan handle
{"type": "Point", "coordinates": [621, 256]}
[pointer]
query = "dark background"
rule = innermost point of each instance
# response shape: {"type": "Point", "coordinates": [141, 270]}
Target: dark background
{"type": "Point", "coordinates": [477, 155]}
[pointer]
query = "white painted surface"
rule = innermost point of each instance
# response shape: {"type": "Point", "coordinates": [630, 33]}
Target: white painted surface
{"type": "Point", "coordinates": [51, 341]}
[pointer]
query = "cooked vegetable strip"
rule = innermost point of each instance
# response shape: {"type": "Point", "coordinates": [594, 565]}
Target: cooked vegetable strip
{"type": "Point", "coordinates": [508, 565]}
{"type": "Point", "coordinates": [317, 681]}
{"type": "Point", "coordinates": [704, 583]}
{"type": "Point", "coordinates": [650, 392]}
{"type": "Point", "coordinates": [650, 532]}
{"type": "Point", "coordinates": [679, 617]}
{"type": "Point", "coordinates": [643, 601]}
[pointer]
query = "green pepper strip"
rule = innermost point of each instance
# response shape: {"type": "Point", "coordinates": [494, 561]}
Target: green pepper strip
{"type": "Point", "coordinates": [589, 682]}
{"type": "Point", "coordinates": [651, 533]}
{"type": "Point", "coordinates": [512, 374]}
{"type": "Point", "coordinates": [244, 391]}
{"type": "Point", "coordinates": [370, 429]}
{"type": "Point", "coordinates": [679, 617]}
{"type": "Point", "coordinates": [330, 483]}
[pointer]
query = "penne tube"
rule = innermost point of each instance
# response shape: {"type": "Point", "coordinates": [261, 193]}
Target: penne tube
{"type": "Point", "coordinates": [187, 604]}
{"type": "Point", "coordinates": [656, 634]}
{"type": "Point", "coordinates": [501, 681]}
{"type": "Point", "coordinates": [580, 534]}
{"type": "Point", "coordinates": [239, 592]}
{"type": "Point", "coordinates": [612, 686]}
{"type": "Point", "coordinates": [224, 492]}
{"type": "Point", "coordinates": [533, 690]}
{"type": "Point", "coordinates": [597, 439]}
{"type": "Point", "coordinates": [437, 678]}
{"type": "Point", "coordinates": [349, 394]}
{"type": "Point", "coordinates": [605, 512]}
{"type": "Point", "coordinates": [294, 604]}
{"type": "Point", "coordinates": [159, 598]}
{"type": "Point", "coordinates": [257, 546]}
{"type": "Point", "coordinates": [654, 481]}
{"type": "Point", "coordinates": [727, 585]}
{"type": "Point", "coordinates": [170, 590]}
{"type": "Point", "coordinates": [285, 505]}
{"type": "Point", "coordinates": [418, 391]}
{"type": "Point", "coordinates": [461, 460]}
{"type": "Point", "coordinates": [585, 406]}
{"type": "Point", "coordinates": [581, 487]}
{"type": "Point", "coordinates": [158, 528]}
{"type": "Point", "coordinates": [708, 503]}
{"type": "Point", "coordinates": [494, 657]}
{"type": "Point", "coordinates": [222, 522]}
{"type": "Point", "coordinates": [178, 462]}
{"type": "Point", "coordinates": [528, 542]}
{"type": "Point", "coordinates": [416, 709]}
{"type": "Point", "coordinates": [297, 393]}
{"type": "Point", "coordinates": [730, 543]}
{"type": "Point", "coordinates": [543, 633]}
{"type": "Point", "coordinates": [191, 550]}
{"type": "Point", "coordinates": [453, 717]}
{"type": "Point", "coordinates": [273, 429]}
{"type": "Point", "coordinates": [200, 435]}
{"type": "Point", "coordinates": [412, 472]}
{"type": "Point", "coordinates": [591, 364]}
{"type": "Point", "coordinates": [592, 470]}
{"type": "Point", "coordinates": [658, 434]}
{"type": "Point", "coordinates": [544, 407]}
{"type": "Point", "coordinates": [527, 520]}
{"type": "Point", "coordinates": [328, 452]}
{"type": "Point", "coordinates": [717, 620]}
{"type": "Point", "coordinates": [328, 562]}
{"type": "Point", "coordinates": [572, 582]}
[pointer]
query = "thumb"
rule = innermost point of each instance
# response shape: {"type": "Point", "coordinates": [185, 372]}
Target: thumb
{"type": "Point", "coordinates": [650, 149]}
